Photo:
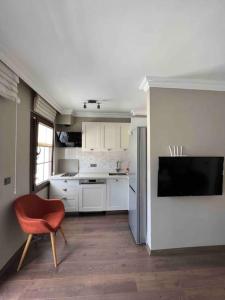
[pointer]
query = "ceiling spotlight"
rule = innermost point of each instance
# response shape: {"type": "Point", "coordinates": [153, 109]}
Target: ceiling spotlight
{"type": "Point", "coordinates": [85, 105]}
{"type": "Point", "coordinates": [98, 106]}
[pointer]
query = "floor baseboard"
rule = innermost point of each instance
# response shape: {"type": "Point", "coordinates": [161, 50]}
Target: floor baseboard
{"type": "Point", "coordinates": [187, 250]}
{"type": "Point", "coordinates": [12, 260]}
{"type": "Point", "coordinates": [117, 212]}
{"type": "Point", "coordinates": [96, 213]}
{"type": "Point", "coordinates": [148, 249]}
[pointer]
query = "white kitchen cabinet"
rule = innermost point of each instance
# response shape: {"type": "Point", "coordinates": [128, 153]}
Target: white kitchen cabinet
{"type": "Point", "coordinates": [111, 136]}
{"type": "Point", "coordinates": [124, 136]}
{"type": "Point", "coordinates": [67, 191]}
{"type": "Point", "coordinates": [117, 194]}
{"type": "Point", "coordinates": [71, 205]}
{"type": "Point", "coordinates": [91, 136]}
{"type": "Point", "coordinates": [102, 136]}
{"type": "Point", "coordinates": [92, 197]}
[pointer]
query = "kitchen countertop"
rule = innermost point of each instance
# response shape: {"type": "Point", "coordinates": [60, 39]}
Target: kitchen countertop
{"type": "Point", "coordinates": [88, 176]}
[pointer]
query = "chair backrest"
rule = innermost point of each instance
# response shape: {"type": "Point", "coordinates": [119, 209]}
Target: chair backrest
{"type": "Point", "coordinates": [31, 206]}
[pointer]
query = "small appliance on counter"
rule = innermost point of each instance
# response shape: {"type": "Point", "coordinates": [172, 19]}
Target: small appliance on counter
{"type": "Point", "coordinates": [69, 167]}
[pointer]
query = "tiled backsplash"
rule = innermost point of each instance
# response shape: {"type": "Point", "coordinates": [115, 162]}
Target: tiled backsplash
{"type": "Point", "coordinates": [105, 161]}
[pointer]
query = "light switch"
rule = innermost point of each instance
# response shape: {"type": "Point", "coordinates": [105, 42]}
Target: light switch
{"type": "Point", "coordinates": [7, 180]}
{"type": "Point", "coordinates": [93, 165]}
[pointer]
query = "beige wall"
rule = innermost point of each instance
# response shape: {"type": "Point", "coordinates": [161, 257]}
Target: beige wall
{"type": "Point", "coordinates": [11, 237]}
{"type": "Point", "coordinates": [43, 193]}
{"type": "Point", "coordinates": [196, 120]}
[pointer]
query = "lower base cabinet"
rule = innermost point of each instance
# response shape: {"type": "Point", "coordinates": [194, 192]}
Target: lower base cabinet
{"type": "Point", "coordinates": [92, 197]}
{"type": "Point", "coordinates": [67, 191]}
{"type": "Point", "coordinates": [71, 205]}
{"type": "Point", "coordinates": [117, 194]}
{"type": "Point", "coordinates": [111, 196]}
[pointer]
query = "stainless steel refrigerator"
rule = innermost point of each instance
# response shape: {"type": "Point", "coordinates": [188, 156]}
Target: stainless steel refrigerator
{"type": "Point", "coordinates": [138, 184]}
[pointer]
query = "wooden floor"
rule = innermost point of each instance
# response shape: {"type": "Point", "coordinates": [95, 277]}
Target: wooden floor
{"type": "Point", "coordinates": [101, 262]}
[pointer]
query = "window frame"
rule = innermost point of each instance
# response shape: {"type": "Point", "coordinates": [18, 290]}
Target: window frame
{"type": "Point", "coordinates": [34, 121]}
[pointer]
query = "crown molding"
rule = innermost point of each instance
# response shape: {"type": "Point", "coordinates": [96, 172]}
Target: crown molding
{"type": "Point", "coordinates": [181, 83]}
{"type": "Point", "coordinates": [67, 111]}
{"type": "Point", "coordinates": [101, 114]}
{"type": "Point", "coordinates": [19, 70]}
{"type": "Point", "coordinates": [138, 113]}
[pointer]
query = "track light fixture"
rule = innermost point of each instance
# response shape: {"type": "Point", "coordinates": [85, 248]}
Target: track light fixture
{"type": "Point", "coordinates": [92, 102]}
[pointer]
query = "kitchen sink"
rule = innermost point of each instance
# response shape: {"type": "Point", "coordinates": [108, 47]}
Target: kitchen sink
{"type": "Point", "coordinates": [117, 173]}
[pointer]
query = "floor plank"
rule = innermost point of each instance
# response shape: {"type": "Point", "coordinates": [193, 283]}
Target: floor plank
{"type": "Point", "coordinates": [101, 262]}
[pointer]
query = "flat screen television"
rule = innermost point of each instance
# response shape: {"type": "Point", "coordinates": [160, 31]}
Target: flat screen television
{"type": "Point", "coordinates": [68, 139]}
{"type": "Point", "coordinates": [190, 176]}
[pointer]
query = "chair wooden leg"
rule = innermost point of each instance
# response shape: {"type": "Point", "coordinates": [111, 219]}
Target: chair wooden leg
{"type": "Point", "coordinates": [52, 235]}
{"type": "Point", "coordinates": [24, 251]}
{"type": "Point", "coordinates": [62, 232]}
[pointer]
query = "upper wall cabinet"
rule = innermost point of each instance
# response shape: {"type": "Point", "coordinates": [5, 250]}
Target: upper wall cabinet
{"type": "Point", "coordinates": [105, 136]}
{"type": "Point", "coordinates": [91, 136]}
{"type": "Point", "coordinates": [111, 136]}
{"type": "Point", "coordinates": [124, 136]}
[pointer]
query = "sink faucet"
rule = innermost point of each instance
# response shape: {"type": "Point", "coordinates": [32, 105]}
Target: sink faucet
{"type": "Point", "coordinates": [118, 166]}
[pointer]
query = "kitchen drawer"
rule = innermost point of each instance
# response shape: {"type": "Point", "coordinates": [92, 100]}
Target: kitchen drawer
{"type": "Point", "coordinates": [63, 188]}
{"type": "Point", "coordinates": [71, 205]}
{"type": "Point", "coordinates": [65, 183]}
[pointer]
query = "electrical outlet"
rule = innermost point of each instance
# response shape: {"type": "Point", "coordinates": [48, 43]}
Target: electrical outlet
{"type": "Point", "coordinates": [93, 165]}
{"type": "Point", "coordinates": [7, 180]}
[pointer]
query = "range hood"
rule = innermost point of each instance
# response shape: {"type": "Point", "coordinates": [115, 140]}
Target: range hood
{"type": "Point", "coordinates": [64, 119]}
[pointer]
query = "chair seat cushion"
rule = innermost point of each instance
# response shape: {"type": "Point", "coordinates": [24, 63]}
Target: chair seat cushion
{"type": "Point", "coordinates": [54, 219]}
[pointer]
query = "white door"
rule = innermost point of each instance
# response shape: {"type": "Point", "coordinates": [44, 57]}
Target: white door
{"type": "Point", "coordinates": [111, 133]}
{"type": "Point", "coordinates": [91, 136]}
{"type": "Point", "coordinates": [117, 194]}
{"type": "Point", "coordinates": [92, 197]}
{"type": "Point", "coordinates": [124, 136]}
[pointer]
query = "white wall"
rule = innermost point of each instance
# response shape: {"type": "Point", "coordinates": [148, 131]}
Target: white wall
{"type": "Point", "coordinates": [105, 160]}
{"type": "Point", "coordinates": [195, 119]}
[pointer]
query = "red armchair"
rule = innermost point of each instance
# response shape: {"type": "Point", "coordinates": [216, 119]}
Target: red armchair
{"type": "Point", "coordinates": [37, 216]}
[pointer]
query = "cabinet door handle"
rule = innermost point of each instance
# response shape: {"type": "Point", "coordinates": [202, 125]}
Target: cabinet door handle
{"type": "Point", "coordinates": [63, 198]}
{"type": "Point", "coordinates": [65, 190]}
{"type": "Point", "coordinates": [91, 149]}
{"type": "Point", "coordinates": [65, 180]}
{"type": "Point", "coordinates": [109, 149]}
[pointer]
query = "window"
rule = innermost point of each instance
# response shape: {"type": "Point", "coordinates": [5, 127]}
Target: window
{"type": "Point", "coordinates": [44, 153]}
{"type": "Point", "coordinates": [41, 151]}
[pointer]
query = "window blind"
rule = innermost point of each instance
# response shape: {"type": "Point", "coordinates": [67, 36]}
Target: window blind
{"type": "Point", "coordinates": [8, 83]}
{"type": "Point", "coordinates": [44, 109]}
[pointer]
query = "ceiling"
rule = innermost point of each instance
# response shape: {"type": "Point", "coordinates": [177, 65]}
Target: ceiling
{"type": "Point", "coordinates": [74, 50]}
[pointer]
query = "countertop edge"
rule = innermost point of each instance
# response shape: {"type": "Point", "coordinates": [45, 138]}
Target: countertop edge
{"type": "Point", "coordinates": [89, 176]}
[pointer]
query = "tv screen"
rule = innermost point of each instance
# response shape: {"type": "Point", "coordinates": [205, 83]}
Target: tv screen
{"type": "Point", "coordinates": [190, 176]}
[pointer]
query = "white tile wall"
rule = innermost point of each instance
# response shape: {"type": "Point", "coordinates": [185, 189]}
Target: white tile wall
{"type": "Point", "coordinates": [106, 161]}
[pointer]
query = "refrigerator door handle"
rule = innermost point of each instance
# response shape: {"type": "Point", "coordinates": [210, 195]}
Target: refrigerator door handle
{"type": "Point", "coordinates": [132, 188]}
